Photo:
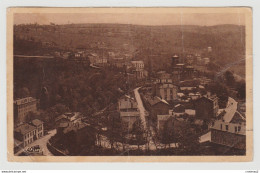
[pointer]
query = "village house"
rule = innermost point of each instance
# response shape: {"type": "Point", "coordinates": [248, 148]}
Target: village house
{"type": "Point", "coordinates": [129, 112]}
{"type": "Point", "coordinates": [27, 133]}
{"type": "Point", "coordinates": [207, 107]}
{"type": "Point", "coordinates": [22, 107]}
{"type": "Point", "coordinates": [182, 71]}
{"type": "Point", "coordinates": [39, 125]}
{"type": "Point", "coordinates": [230, 127]}
{"type": "Point", "coordinates": [164, 87]}
{"type": "Point", "coordinates": [177, 111]}
{"type": "Point", "coordinates": [156, 106]}
{"type": "Point", "coordinates": [67, 119]}
{"type": "Point", "coordinates": [139, 69]}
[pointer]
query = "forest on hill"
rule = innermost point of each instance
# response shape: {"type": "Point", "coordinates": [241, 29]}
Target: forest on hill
{"type": "Point", "coordinates": [142, 42]}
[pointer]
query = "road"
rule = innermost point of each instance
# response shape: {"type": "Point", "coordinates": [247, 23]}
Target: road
{"type": "Point", "coordinates": [42, 142]}
{"type": "Point", "coordinates": [141, 108]}
{"type": "Point", "coordinates": [152, 144]}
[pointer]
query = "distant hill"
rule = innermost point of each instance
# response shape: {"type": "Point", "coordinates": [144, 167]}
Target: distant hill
{"type": "Point", "coordinates": [142, 42]}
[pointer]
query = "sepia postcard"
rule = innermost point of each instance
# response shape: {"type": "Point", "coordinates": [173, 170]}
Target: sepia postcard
{"type": "Point", "coordinates": [129, 84]}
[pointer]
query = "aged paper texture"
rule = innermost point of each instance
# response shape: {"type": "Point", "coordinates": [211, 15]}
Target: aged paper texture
{"type": "Point", "coordinates": [129, 84]}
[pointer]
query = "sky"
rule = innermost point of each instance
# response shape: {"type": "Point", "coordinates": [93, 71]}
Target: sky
{"type": "Point", "coordinates": [204, 19]}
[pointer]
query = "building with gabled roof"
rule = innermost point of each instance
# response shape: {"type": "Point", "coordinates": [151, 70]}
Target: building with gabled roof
{"type": "Point", "coordinates": [156, 106]}
{"type": "Point", "coordinates": [207, 107]}
{"type": "Point", "coordinates": [230, 127]}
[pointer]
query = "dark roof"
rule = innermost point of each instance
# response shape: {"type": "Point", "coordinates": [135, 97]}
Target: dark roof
{"type": "Point", "coordinates": [24, 100]}
{"type": "Point", "coordinates": [24, 128]}
{"type": "Point", "coordinates": [75, 127]}
{"type": "Point", "coordinates": [179, 108]}
{"type": "Point", "coordinates": [211, 98]}
{"type": "Point", "coordinates": [37, 122]}
{"type": "Point", "coordinates": [61, 117]}
{"type": "Point", "coordinates": [155, 100]}
{"type": "Point", "coordinates": [238, 118]}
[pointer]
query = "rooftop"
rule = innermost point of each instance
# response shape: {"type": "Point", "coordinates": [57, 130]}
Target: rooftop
{"type": "Point", "coordinates": [24, 128]}
{"type": "Point", "coordinates": [155, 100]}
{"type": "Point", "coordinates": [37, 122]}
{"type": "Point", "coordinates": [163, 117]}
{"type": "Point", "coordinates": [230, 113]}
{"type": "Point", "coordinates": [75, 127]}
{"type": "Point", "coordinates": [24, 100]}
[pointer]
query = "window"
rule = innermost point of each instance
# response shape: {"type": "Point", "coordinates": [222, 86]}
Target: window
{"type": "Point", "coordinates": [227, 127]}
{"type": "Point", "coordinates": [239, 128]}
{"type": "Point", "coordinates": [221, 126]}
{"type": "Point", "coordinates": [235, 128]}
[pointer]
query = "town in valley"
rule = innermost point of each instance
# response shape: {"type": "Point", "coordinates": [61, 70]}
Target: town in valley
{"type": "Point", "coordinates": [129, 90]}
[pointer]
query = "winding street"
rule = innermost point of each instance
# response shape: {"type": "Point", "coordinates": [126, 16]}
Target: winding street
{"type": "Point", "coordinates": [141, 108]}
{"type": "Point", "coordinates": [151, 142]}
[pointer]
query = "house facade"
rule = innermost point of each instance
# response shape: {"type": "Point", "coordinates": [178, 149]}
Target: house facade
{"type": "Point", "coordinates": [139, 71]}
{"type": "Point", "coordinates": [22, 107]}
{"type": "Point", "coordinates": [164, 87]}
{"type": "Point", "coordinates": [129, 112]}
{"type": "Point", "coordinates": [230, 127]}
{"type": "Point", "coordinates": [39, 128]}
{"type": "Point", "coordinates": [206, 107]}
{"type": "Point", "coordinates": [156, 106]}
{"type": "Point", "coordinates": [27, 133]}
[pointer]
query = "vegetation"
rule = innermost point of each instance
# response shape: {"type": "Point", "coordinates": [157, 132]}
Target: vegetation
{"type": "Point", "coordinates": [142, 42]}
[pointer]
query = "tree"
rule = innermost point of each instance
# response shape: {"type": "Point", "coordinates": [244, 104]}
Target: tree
{"type": "Point", "coordinates": [24, 92]}
{"type": "Point", "coordinates": [168, 135]}
{"type": "Point", "coordinates": [188, 140]}
{"type": "Point", "coordinates": [114, 128]}
{"type": "Point", "coordinates": [221, 92]}
{"type": "Point", "coordinates": [138, 132]}
{"type": "Point", "coordinates": [241, 90]}
{"type": "Point", "coordinates": [230, 79]}
{"type": "Point", "coordinates": [44, 98]}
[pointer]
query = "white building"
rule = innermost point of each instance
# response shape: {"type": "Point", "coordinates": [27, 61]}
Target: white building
{"type": "Point", "coordinates": [139, 69]}
{"type": "Point", "coordinates": [230, 127]}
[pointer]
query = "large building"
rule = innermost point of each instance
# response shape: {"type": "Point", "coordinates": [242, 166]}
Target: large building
{"type": "Point", "coordinates": [164, 87]}
{"type": "Point", "coordinates": [22, 107]}
{"type": "Point", "coordinates": [39, 125]}
{"type": "Point", "coordinates": [182, 71]}
{"type": "Point", "coordinates": [207, 107]}
{"type": "Point", "coordinates": [139, 71]}
{"type": "Point", "coordinates": [230, 127]}
{"type": "Point", "coordinates": [27, 133]}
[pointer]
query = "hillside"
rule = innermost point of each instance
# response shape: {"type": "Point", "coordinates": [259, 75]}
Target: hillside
{"type": "Point", "coordinates": [142, 42]}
